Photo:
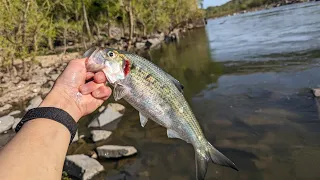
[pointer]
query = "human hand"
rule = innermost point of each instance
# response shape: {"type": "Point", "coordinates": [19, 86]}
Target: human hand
{"type": "Point", "coordinates": [73, 94]}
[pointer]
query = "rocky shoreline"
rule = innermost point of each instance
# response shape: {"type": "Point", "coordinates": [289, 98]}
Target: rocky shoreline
{"type": "Point", "coordinates": [16, 90]}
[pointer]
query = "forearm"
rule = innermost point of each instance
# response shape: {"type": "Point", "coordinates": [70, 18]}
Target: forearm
{"type": "Point", "coordinates": [39, 148]}
{"type": "Point", "coordinates": [37, 151]}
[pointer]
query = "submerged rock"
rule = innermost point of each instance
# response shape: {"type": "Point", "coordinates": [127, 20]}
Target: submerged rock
{"type": "Point", "coordinates": [114, 151]}
{"type": "Point", "coordinates": [82, 166]}
{"type": "Point", "coordinates": [98, 135]}
{"type": "Point", "coordinates": [117, 107]}
{"type": "Point", "coordinates": [6, 123]}
{"type": "Point", "coordinates": [107, 116]}
{"type": "Point", "coordinates": [316, 92]}
{"type": "Point", "coordinates": [102, 108]}
{"type": "Point", "coordinates": [35, 102]}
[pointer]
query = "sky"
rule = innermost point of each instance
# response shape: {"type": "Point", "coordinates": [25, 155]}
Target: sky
{"type": "Point", "coordinates": [207, 3]}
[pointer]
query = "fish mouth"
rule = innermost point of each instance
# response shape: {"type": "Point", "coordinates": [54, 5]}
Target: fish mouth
{"type": "Point", "coordinates": [89, 52]}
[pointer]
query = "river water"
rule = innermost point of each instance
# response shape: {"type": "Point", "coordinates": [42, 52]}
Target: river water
{"type": "Point", "coordinates": [247, 78]}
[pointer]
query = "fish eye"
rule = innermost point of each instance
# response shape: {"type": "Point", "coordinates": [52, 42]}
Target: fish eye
{"type": "Point", "coordinates": [111, 54]}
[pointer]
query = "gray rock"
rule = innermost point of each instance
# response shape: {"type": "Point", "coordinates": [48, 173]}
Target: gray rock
{"type": "Point", "coordinates": [16, 121]}
{"type": "Point", "coordinates": [114, 151]}
{"type": "Point", "coordinates": [51, 83]}
{"type": "Point", "coordinates": [76, 137]}
{"type": "Point", "coordinates": [153, 42]}
{"type": "Point", "coordinates": [82, 166]}
{"type": "Point", "coordinates": [35, 102]}
{"type": "Point", "coordinates": [14, 113]}
{"type": "Point", "coordinates": [54, 77]}
{"type": "Point", "coordinates": [45, 91]}
{"type": "Point", "coordinates": [5, 107]}
{"type": "Point", "coordinates": [36, 90]}
{"type": "Point", "coordinates": [160, 36]}
{"type": "Point", "coordinates": [98, 135]}
{"type": "Point", "coordinates": [140, 45]}
{"type": "Point", "coordinates": [316, 92]}
{"type": "Point", "coordinates": [6, 123]}
{"type": "Point", "coordinates": [107, 116]}
{"type": "Point", "coordinates": [115, 33]}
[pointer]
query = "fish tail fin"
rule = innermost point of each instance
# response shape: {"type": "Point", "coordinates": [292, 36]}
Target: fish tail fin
{"type": "Point", "coordinates": [206, 154]}
{"type": "Point", "coordinates": [218, 158]}
{"type": "Point", "coordinates": [201, 164]}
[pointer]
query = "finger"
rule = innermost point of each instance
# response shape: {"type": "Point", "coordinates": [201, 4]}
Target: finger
{"type": "Point", "coordinates": [89, 75]}
{"type": "Point", "coordinates": [100, 77]}
{"type": "Point", "coordinates": [103, 92]}
{"type": "Point", "coordinates": [89, 87]}
{"type": "Point", "coordinates": [77, 61]}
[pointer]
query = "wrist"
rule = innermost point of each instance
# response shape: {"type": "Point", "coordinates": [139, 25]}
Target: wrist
{"type": "Point", "coordinates": [61, 100]}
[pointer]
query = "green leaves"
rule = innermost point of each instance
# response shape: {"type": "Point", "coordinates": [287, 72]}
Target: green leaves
{"type": "Point", "coordinates": [32, 27]}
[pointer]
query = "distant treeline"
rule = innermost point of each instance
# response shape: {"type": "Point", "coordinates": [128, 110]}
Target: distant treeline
{"type": "Point", "coordinates": [236, 6]}
{"type": "Point", "coordinates": [32, 27]}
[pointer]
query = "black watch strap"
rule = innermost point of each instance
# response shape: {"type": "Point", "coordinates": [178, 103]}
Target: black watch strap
{"type": "Point", "coordinates": [52, 113]}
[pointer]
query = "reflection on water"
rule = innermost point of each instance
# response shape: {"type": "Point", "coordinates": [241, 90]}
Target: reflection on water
{"type": "Point", "coordinates": [287, 29]}
{"type": "Point", "coordinates": [261, 114]}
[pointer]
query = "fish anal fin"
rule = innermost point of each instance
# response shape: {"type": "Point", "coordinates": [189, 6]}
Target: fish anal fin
{"type": "Point", "coordinates": [172, 134]}
{"type": "Point", "coordinates": [120, 91]}
{"type": "Point", "coordinates": [143, 119]}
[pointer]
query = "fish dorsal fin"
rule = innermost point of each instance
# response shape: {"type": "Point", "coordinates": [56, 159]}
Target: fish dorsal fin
{"type": "Point", "coordinates": [176, 83]}
{"type": "Point", "coordinates": [120, 91]}
{"type": "Point", "coordinates": [143, 119]}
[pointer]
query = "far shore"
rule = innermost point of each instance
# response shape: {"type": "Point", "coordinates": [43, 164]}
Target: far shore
{"type": "Point", "coordinates": [264, 7]}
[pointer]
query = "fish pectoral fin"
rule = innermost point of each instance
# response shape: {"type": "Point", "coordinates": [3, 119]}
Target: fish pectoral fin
{"type": "Point", "coordinates": [120, 91]}
{"type": "Point", "coordinates": [177, 83]}
{"type": "Point", "coordinates": [143, 119]}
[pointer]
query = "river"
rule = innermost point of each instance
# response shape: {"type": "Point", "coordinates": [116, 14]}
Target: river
{"type": "Point", "coordinates": [247, 78]}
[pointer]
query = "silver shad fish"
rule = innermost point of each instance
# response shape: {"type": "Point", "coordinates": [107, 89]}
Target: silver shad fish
{"type": "Point", "coordinates": [157, 96]}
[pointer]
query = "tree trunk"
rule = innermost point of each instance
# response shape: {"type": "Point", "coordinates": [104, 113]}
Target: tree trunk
{"type": "Point", "coordinates": [35, 43]}
{"type": "Point", "coordinates": [98, 30]}
{"type": "Point", "coordinates": [50, 43]}
{"type": "Point", "coordinates": [144, 29]}
{"type": "Point", "coordinates": [23, 37]}
{"type": "Point", "coordinates": [84, 43]}
{"type": "Point", "coordinates": [24, 21]}
{"type": "Point", "coordinates": [123, 28]}
{"type": "Point", "coordinates": [85, 18]}
{"type": "Point", "coordinates": [65, 39]}
{"type": "Point", "coordinates": [131, 20]}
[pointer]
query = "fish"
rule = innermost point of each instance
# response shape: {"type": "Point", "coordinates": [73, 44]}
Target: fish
{"type": "Point", "coordinates": [157, 96]}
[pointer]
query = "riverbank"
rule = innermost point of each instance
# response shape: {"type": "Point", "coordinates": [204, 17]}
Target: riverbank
{"type": "Point", "coordinates": [43, 71]}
